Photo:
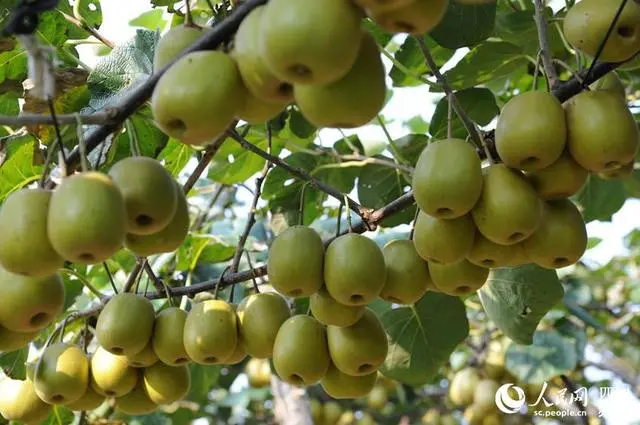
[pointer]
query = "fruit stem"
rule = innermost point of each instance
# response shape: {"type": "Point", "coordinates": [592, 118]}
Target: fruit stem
{"type": "Point", "coordinates": [253, 277]}
{"type": "Point", "coordinates": [83, 281]}
{"type": "Point", "coordinates": [406, 70]}
{"type": "Point", "coordinates": [84, 165]}
{"type": "Point", "coordinates": [346, 200]}
{"type": "Point", "coordinates": [301, 206]}
{"type": "Point", "coordinates": [111, 281]}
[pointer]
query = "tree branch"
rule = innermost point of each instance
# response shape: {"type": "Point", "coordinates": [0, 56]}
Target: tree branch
{"type": "Point", "coordinates": [571, 387]}
{"type": "Point", "coordinates": [251, 220]}
{"type": "Point", "coordinates": [209, 152]}
{"type": "Point", "coordinates": [80, 24]}
{"type": "Point", "coordinates": [543, 40]}
{"type": "Point", "coordinates": [98, 118]}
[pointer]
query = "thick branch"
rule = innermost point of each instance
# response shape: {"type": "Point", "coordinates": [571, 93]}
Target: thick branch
{"type": "Point", "coordinates": [543, 40]}
{"type": "Point", "coordinates": [98, 118]}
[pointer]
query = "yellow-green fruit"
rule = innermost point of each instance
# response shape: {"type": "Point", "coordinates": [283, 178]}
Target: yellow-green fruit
{"type": "Point", "coordinates": [632, 64]}
{"type": "Point", "coordinates": [144, 358]}
{"type": "Point", "coordinates": [328, 311]}
{"type": "Point", "coordinates": [603, 135]}
{"type": "Point", "coordinates": [377, 398]}
{"type": "Point", "coordinates": [358, 349]}
{"type": "Point", "coordinates": [484, 396]}
{"type": "Point", "coordinates": [354, 269]}
{"type": "Point", "coordinates": [166, 384]}
{"type": "Point", "coordinates": [519, 256]}
{"type": "Point", "coordinates": [211, 332]}
{"type": "Point", "coordinates": [111, 375]}
{"type": "Point", "coordinates": [440, 240]}
{"type": "Point", "coordinates": [258, 78]}
{"type": "Point", "coordinates": [492, 419]}
{"type": "Point", "coordinates": [238, 355]}
{"type": "Point", "coordinates": [24, 245]}
{"type": "Point", "coordinates": [494, 363]}
{"type": "Point", "coordinates": [463, 386]}
{"type": "Point", "coordinates": [258, 373]}
{"type": "Point", "coordinates": [534, 142]}
{"type": "Point", "coordinates": [458, 279]}
{"type": "Point", "coordinates": [169, 238]}
{"type": "Point", "coordinates": [261, 315]}
{"type": "Point", "coordinates": [173, 43]}
{"type": "Point", "coordinates": [366, 419]}
{"type": "Point", "coordinates": [62, 374]}
{"type": "Point", "coordinates": [91, 400]}
{"type": "Point", "coordinates": [168, 335]}
{"type": "Point", "coordinates": [29, 304]}
{"type": "Point", "coordinates": [300, 352]}
{"type": "Point", "coordinates": [149, 193]}
{"type": "Point", "coordinates": [620, 173]}
{"type": "Point", "coordinates": [431, 417]}
{"type": "Point", "coordinates": [487, 254]}
{"type": "Point", "coordinates": [447, 181]}
{"type": "Point", "coordinates": [293, 271]}
{"type": "Point", "coordinates": [332, 411]}
{"type": "Point", "coordinates": [315, 408]}
{"type": "Point", "coordinates": [125, 325]}
{"type": "Point", "coordinates": [345, 418]}
{"type": "Point", "coordinates": [11, 341]}
{"type": "Point", "coordinates": [509, 210]}
{"type": "Point", "coordinates": [257, 111]}
{"type": "Point", "coordinates": [561, 238]}
{"type": "Point", "coordinates": [610, 82]}
{"type": "Point", "coordinates": [306, 42]}
{"type": "Point", "coordinates": [386, 382]}
{"type": "Point", "coordinates": [92, 202]}
{"type": "Point", "coordinates": [563, 178]}
{"type": "Point", "coordinates": [407, 273]}
{"type": "Point", "coordinates": [587, 22]}
{"type": "Point", "coordinates": [198, 109]}
{"type": "Point", "coordinates": [448, 420]}
{"type": "Point", "coordinates": [417, 17]}
{"type": "Point", "coordinates": [340, 386]}
{"type": "Point", "coordinates": [19, 402]}
{"type": "Point", "coordinates": [473, 416]}
{"type": "Point", "coordinates": [137, 402]}
{"type": "Point", "coordinates": [353, 100]}
{"type": "Point", "coordinates": [382, 5]}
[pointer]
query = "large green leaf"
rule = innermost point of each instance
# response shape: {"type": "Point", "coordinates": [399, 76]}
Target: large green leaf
{"type": "Point", "coordinates": [519, 27]}
{"type": "Point", "coordinates": [465, 25]}
{"type": "Point", "coordinates": [378, 185]}
{"type": "Point", "coordinates": [59, 415]}
{"type": "Point", "coordinates": [478, 103]}
{"type": "Point", "coordinates": [550, 355]}
{"type": "Point", "coordinates": [151, 20]}
{"type": "Point", "coordinates": [18, 169]}
{"type": "Point", "coordinates": [203, 379]}
{"type": "Point", "coordinates": [410, 146]}
{"type": "Point", "coordinates": [13, 64]}
{"type": "Point", "coordinates": [600, 199]}
{"type": "Point", "coordinates": [517, 298]}
{"type": "Point", "coordinates": [13, 363]}
{"type": "Point", "coordinates": [175, 156]}
{"type": "Point", "coordinates": [411, 58]}
{"type": "Point", "coordinates": [422, 336]}
{"type": "Point", "coordinates": [9, 104]}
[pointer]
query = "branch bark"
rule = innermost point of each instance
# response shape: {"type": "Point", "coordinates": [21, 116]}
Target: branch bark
{"type": "Point", "coordinates": [543, 40]}
{"type": "Point", "coordinates": [98, 118]}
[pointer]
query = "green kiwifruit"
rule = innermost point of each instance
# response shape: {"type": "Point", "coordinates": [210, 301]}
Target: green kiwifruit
{"type": "Point", "coordinates": [92, 202]}
{"type": "Point", "coordinates": [11, 341]}
{"type": "Point", "coordinates": [447, 181]}
{"type": "Point", "coordinates": [458, 279]}
{"type": "Point", "coordinates": [24, 245]}
{"type": "Point", "coordinates": [91, 400]}
{"type": "Point", "coordinates": [239, 354]}
{"type": "Point", "coordinates": [358, 349]}
{"type": "Point", "coordinates": [563, 178]}
{"type": "Point", "coordinates": [417, 17]}
{"type": "Point", "coordinates": [519, 256]}
{"type": "Point", "coordinates": [293, 271]}
{"type": "Point", "coordinates": [306, 42]}
{"type": "Point", "coordinates": [111, 375]}
{"type": "Point", "coordinates": [166, 384]}
{"type": "Point", "coordinates": [353, 100]}
{"type": "Point", "coordinates": [377, 398]}
{"type": "Point", "coordinates": [137, 402]}
{"type": "Point", "coordinates": [463, 386]}
{"type": "Point", "coordinates": [261, 83]}
{"type": "Point", "coordinates": [382, 5]}
{"type": "Point", "coordinates": [62, 374]}
{"type": "Point", "coordinates": [258, 372]}
{"type": "Point", "coordinates": [260, 316]}
{"type": "Point", "coordinates": [149, 193]}
{"type": "Point", "coordinates": [587, 23]}
{"type": "Point", "coordinates": [603, 135]}
{"type": "Point", "coordinates": [19, 402]}
{"type": "Point", "coordinates": [328, 311]}
{"type": "Point", "coordinates": [169, 238]}
{"type": "Point", "coordinates": [257, 111]}
{"type": "Point", "coordinates": [443, 240]}
{"type": "Point", "coordinates": [490, 255]}
{"type": "Point", "coordinates": [199, 108]}
{"type": "Point", "coordinates": [300, 352]}
{"type": "Point", "coordinates": [407, 273]}
{"type": "Point", "coordinates": [315, 408]}
{"type": "Point", "coordinates": [509, 209]}
{"type": "Point", "coordinates": [339, 385]}
{"type": "Point", "coordinates": [531, 132]}
{"type": "Point", "coordinates": [472, 416]}
{"type": "Point", "coordinates": [173, 43]}
{"type": "Point", "coordinates": [144, 358]}
{"type": "Point", "coordinates": [561, 238]}
{"type": "Point", "coordinates": [210, 332]}
{"type": "Point", "coordinates": [168, 335]}
{"type": "Point", "coordinates": [484, 396]}
{"type": "Point", "coordinates": [29, 304]}
{"type": "Point", "coordinates": [125, 325]}
{"type": "Point", "coordinates": [623, 172]}
{"type": "Point", "coordinates": [354, 269]}
{"type": "Point", "coordinates": [610, 82]}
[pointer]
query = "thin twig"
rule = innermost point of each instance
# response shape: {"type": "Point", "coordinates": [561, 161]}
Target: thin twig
{"type": "Point", "coordinates": [199, 221]}
{"type": "Point", "coordinates": [132, 277]}
{"type": "Point", "coordinates": [543, 40]}
{"type": "Point", "coordinates": [253, 279]}
{"type": "Point", "coordinates": [251, 220]}
{"type": "Point", "coordinates": [209, 152]}
{"type": "Point", "coordinates": [97, 118]}
{"type": "Point", "coordinates": [80, 24]}
{"type": "Point", "coordinates": [110, 276]}
{"type": "Point", "coordinates": [571, 387]}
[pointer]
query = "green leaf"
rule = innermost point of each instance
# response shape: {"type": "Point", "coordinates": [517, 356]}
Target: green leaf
{"type": "Point", "coordinates": [175, 156]}
{"type": "Point", "coordinates": [194, 246]}
{"type": "Point", "coordinates": [465, 25]}
{"type": "Point", "coordinates": [593, 242]}
{"type": "Point", "coordinates": [550, 355]}
{"type": "Point", "coordinates": [574, 333]}
{"type": "Point", "coordinates": [378, 185]}
{"type": "Point", "coordinates": [13, 363]}
{"type": "Point", "coordinates": [299, 125]}
{"type": "Point", "coordinates": [217, 252]}
{"type": "Point", "coordinates": [382, 37]}
{"type": "Point", "coordinates": [486, 62]}
{"type": "Point", "coordinates": [411, 146]}
{"type": "Point", "coordinates": [13, 65]}
{"type": "Point", "coordinates": [417, 124]}
{"type": "Point", "coordinates": [517, 298]}
{"type": "Point", "coordinates": [479, 104]}
{"type": "Point", "coordinates": [411, 57]}
{"type": "Point", "coordinates": [422, 336]}
{"type": "Point", "coordinates": [72, 289]}
{"type": "Point", "coordinates": [202, 379]}
{"type": "Point", "coordinates": [151, 20]}
{"type": "Point", "coordinates": [519, 28]}
{"type": "Point", "coordinates": [9, 104]}
{"type": "Point", "coordinates": [632, 184]}
{"type": "Point", "coordinates": [90, 11]}
{"type": "Point", "coordinates": [59, 416]}
{"type": "Point", "coordinates": [17, 169]}
{"type": "Point", "coordinates": [600, 199]}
